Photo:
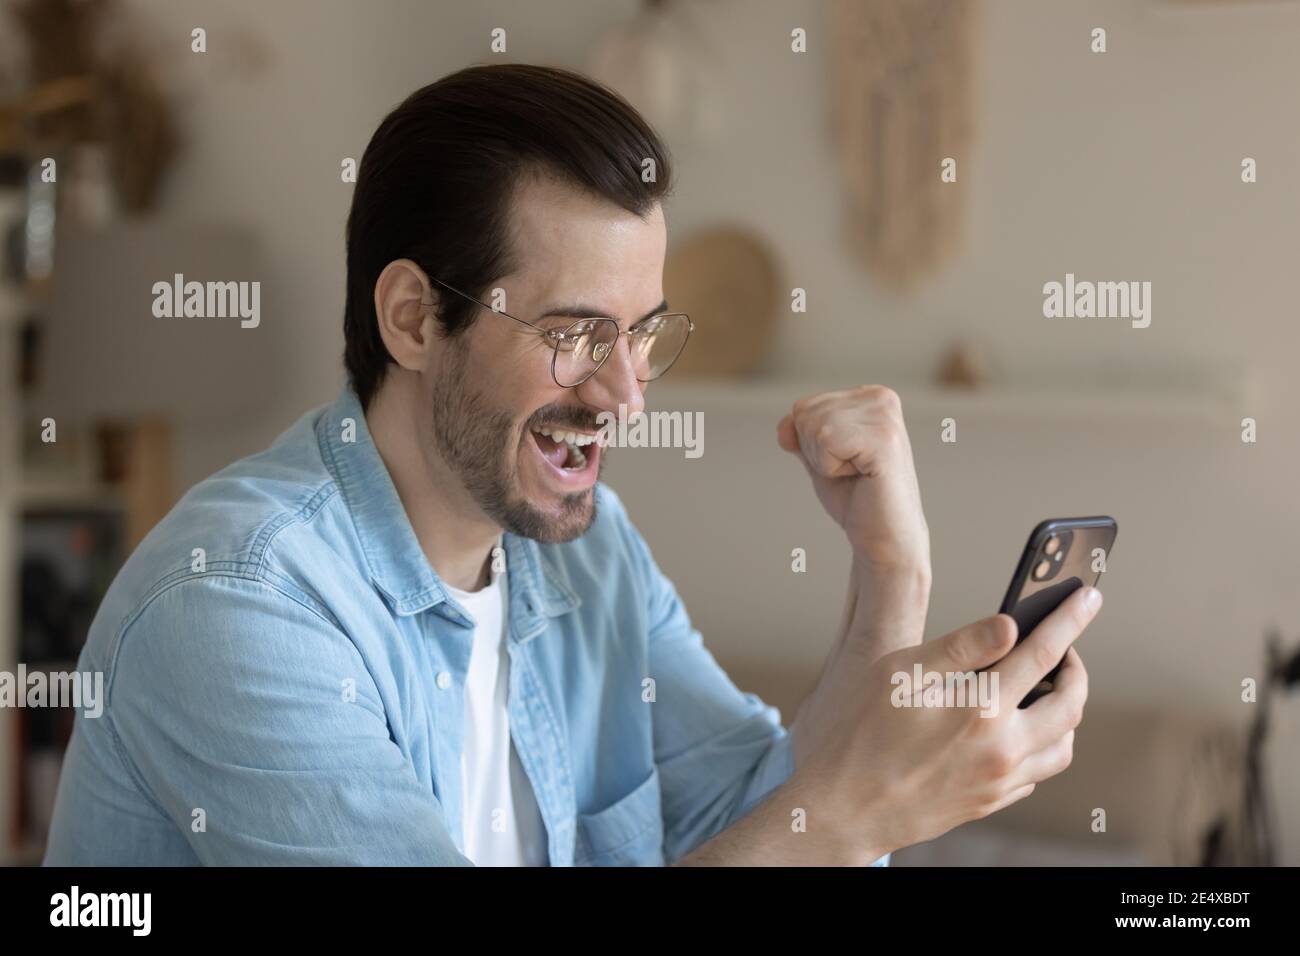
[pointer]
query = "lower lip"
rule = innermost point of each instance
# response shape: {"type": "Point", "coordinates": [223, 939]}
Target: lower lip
{"type": "Point", "coordinates": [576, 479]}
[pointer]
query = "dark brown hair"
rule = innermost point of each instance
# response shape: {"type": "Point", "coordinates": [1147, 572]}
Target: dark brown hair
{"type": "Point", "coordinates": [435, 184]}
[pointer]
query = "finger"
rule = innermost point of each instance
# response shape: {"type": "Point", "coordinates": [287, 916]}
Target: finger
{"type": "Point", "coordinates": [1014, 797]}
{"type": "Point", "coordinates": [854, 444]}
{"type": "Point", "coordinates": [790, 439]}
{"type": "Point", "coordinates": [1046, 763]}
{"type": "Point", "coordinates": [842, 433]}
{"type": "Point", "coordinates": [972, 647]}
{"type": "Point", "coordinates": [1062, 710]}
{"type": "Point", "coordinates": [819, 441]}
{"type": "Point", "coordinates": [787, 436]}
{"type": "Point", "coordinates": [1035, 656]}
{"type": "Point", "coordinates": [814, 455]}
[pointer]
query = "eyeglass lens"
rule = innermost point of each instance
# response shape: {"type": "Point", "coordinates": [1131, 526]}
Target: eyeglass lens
{"type": "Point", "coordinates": [586, 344]}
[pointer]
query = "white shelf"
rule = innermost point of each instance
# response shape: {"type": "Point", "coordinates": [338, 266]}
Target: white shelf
{"type": "Point", "coordinates": [1216, 402]}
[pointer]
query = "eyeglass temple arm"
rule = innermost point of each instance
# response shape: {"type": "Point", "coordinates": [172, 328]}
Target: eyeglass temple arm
{"type": "Point", "coordinates": [546, 333]}
{"type": "Point", "coordinates": [484, 305]}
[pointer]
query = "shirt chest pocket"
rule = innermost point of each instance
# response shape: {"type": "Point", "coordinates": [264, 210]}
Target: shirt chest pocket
{"type": "Point", "coordinates": [628, 832]}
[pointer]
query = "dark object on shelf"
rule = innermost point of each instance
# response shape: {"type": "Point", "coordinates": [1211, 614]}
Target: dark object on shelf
{"type": "Point", "coordinates": [69, 557]}
{"type": "Point", "coordinates": [29, 353]}
{"type": "Point", "coordinates": [962, 366]}
{"type": "Point", "coordinates": [68, 560]}
{"type": "Point", "coordinates": [1243, 833]}
{"type": "Point", "coordinates": [13, 182]}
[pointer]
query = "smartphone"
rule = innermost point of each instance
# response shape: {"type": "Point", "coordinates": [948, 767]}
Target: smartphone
{"type": "Point", "coordinates": [1061, 556]}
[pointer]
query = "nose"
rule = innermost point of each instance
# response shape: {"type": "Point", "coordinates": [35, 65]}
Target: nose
{"type": "Point", "coordinates": [615, 383]}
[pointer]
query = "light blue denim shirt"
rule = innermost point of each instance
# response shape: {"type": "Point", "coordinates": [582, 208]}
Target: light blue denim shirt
{"type": "Point", "coordinates": [284, 676]}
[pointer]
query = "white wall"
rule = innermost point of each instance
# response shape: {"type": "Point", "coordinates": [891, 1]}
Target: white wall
{"type": "Point", "coordinates": [1122, 165]}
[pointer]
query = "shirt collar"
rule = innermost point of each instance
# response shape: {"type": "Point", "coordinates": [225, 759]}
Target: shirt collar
{"type": "Point", "coordinates": [394, 559]}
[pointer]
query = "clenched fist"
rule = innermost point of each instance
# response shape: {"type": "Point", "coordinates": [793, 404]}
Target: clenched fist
{"type": "Point", "coordinates": [855, 447]}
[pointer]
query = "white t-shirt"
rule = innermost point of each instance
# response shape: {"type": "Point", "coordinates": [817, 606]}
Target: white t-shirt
{"type": "Point", "coordinates": [495, 789]}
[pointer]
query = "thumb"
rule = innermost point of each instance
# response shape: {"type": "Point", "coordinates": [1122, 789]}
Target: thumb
{"type": "Point", "coordinates": [972, 647]}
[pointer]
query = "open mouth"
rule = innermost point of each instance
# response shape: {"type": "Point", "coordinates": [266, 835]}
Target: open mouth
{"type": "Point", "coordinates": [572, 456]}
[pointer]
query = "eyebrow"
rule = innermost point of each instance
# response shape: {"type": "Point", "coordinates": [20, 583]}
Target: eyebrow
{"type": "Point", "coordinates": [587, 312]}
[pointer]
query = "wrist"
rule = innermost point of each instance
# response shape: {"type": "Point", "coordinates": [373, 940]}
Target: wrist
{"type": "Point", "coordinates": [904, 575]}
{"type": "Point", "coordinates": [839, 835]}
{"type": "Point", "coordinates": [890, 605]}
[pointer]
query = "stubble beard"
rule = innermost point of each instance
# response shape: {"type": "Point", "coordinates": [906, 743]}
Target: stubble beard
{"type": "Point", "coordinates": [481, 444]}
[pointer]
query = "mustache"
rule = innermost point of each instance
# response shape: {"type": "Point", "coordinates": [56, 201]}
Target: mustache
{"type": "Point", "coordinates": [571, 418]}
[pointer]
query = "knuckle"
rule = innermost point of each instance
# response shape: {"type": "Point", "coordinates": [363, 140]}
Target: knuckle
{"type": "Point", "coordinates": [883, 394]}
{"type": "Point", "coordinates": [994, 800]}
{"type": "Point", "coordinates": [1021, 792]}
{"type": "Point", "coordinates": [891, 431]}
{"type": "Point", "coordinates": [1004, 626]}
{"type": "Point", "coordinates": [963, 648]}
{"type": "Point", "coordinates": [1067, 752]}
{"type": "Point", "coordinates": [1082, 671]}
{"type": "Point", "coordinates": [998, 762]}
{"type": "Point", "coordinates": [966, 653]}
{"type": "Point", "coordinates": [1045, 656]}
{"type": "Point", "coordinates": [1074, 717]}
{"type": "Point", "coordinates": [968, 646]}
{"type": "Point", "coordinates": [865, 392]}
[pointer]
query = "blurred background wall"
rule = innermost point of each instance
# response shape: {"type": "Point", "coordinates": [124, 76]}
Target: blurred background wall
{"type": "Point", "coordinates": [1119, 166]}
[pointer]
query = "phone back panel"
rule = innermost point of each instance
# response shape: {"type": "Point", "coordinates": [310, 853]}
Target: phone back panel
{"type": "Point", "coordinates": [1061, 556]}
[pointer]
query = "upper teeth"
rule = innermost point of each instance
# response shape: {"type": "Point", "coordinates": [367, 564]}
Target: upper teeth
{"type": "Point", "coordinates": [572, 438]}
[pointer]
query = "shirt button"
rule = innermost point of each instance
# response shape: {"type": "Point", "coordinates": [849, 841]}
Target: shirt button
{"type": "Point", "coordinates": [443, 680]}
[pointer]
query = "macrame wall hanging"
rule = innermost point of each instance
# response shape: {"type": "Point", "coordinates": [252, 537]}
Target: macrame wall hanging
{"type": "Point", "coordinates": [902, 104]}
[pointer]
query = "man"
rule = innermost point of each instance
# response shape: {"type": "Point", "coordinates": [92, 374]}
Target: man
{"type": "Point", "coordinates": [417, 630]}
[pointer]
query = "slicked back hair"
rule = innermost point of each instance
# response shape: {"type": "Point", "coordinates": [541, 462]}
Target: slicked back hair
{"type": "Point", "coordinates": [436, 181]}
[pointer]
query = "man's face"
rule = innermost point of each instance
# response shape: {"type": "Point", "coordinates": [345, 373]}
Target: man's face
{"type": "Point", "coordinates": [492, 390]}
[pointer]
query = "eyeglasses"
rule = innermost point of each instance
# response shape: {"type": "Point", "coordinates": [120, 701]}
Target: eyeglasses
{"type": "Point", "coordinates": [580, 349]}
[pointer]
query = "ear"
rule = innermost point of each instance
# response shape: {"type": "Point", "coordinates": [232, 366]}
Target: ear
{"type": "Point", "coordinates": [405, 306]}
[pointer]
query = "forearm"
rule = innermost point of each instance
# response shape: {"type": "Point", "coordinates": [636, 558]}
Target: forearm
{"type": "Point", "coordinates": [884, 610]}
{"type": "Point", "coordinates": [786, 829]}
{"type": "Point", "coordinates": [889, 608]}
